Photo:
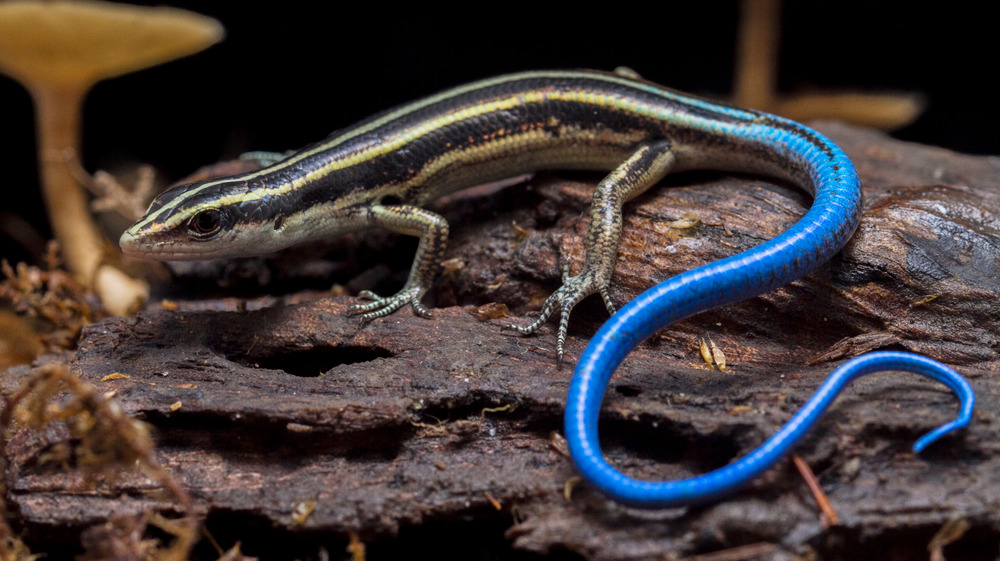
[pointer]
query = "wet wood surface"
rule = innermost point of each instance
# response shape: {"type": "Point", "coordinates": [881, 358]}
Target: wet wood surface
{"type": "Point", "coordinates": [444, 433]}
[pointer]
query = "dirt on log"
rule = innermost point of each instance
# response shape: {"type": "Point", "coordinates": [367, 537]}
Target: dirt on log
{"type": "Point", "coordinates": [443, 434]}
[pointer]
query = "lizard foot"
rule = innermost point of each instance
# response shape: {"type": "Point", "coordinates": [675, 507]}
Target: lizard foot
{"type": "Point", "coordinates": [381, 306]}
{"type": "Point", "coordinates": [573, 290]}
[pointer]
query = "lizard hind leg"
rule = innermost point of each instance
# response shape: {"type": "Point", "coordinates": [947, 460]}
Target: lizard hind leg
{"type": "Point", "coordinates": [644, 168]}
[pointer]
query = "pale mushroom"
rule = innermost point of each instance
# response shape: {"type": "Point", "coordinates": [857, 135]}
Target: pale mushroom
{"type": "Point", "coordinates": [757, 80]}
{"type": "Point", "coordinates": [58, 51]}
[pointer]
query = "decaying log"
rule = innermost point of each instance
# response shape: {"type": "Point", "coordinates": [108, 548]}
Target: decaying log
{"type": "Point", "coordinates": [443, 433]}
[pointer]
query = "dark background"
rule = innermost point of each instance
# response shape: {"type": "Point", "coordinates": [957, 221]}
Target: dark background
{"type": "Point", "coordinates": [290, 74]}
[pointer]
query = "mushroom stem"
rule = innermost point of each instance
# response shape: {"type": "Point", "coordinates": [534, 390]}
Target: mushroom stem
{"type": "Point", "coordinates": [58, 112]}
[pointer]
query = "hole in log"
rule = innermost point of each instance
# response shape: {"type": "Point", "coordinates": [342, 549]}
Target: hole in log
{"type": "Point", "coordinates": [627, 390]}
{"type": "Point", "coordinates": [313, 362]}
{"type": "Point", "coordinates": [664, 442]}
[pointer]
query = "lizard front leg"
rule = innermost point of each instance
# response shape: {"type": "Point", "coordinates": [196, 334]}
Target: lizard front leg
{"type": "Point", "coordinates": [432, 229]}
{"type": "Point", "coordinates": [643, 169]}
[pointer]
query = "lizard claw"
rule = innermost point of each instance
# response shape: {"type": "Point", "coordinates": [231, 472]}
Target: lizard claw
{"type": "Point", "coordinates": [381, 306]}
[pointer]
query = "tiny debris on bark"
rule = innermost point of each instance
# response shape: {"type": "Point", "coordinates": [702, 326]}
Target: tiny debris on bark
{"type": "Point", "coordinates": [296, 421]}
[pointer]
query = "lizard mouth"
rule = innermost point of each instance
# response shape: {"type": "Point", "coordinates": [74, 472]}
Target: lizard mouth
{"type": "Point", "coordinates": [138, 245]}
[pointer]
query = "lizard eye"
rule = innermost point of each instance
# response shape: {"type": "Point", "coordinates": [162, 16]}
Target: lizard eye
{"type": "Point", "coordinates": [206, 223]}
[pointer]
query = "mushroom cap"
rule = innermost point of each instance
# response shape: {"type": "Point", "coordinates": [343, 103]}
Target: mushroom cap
{"type": "Point", "coordinates": [80, 43]}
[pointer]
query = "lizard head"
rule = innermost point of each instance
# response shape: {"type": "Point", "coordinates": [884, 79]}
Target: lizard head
{"type": "Point", "coordinates": [206, 220]}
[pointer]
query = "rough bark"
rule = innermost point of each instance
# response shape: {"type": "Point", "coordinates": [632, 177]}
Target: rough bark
{"type": "Point", "coordinates": [392, 428]}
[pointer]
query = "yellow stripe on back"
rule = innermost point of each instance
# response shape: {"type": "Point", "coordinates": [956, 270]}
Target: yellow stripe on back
{"type": "Point", "coordinates": [421, 129]}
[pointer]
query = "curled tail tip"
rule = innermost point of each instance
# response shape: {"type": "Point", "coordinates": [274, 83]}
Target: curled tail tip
{"type": "Point", "coordinates": [926, 440]}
